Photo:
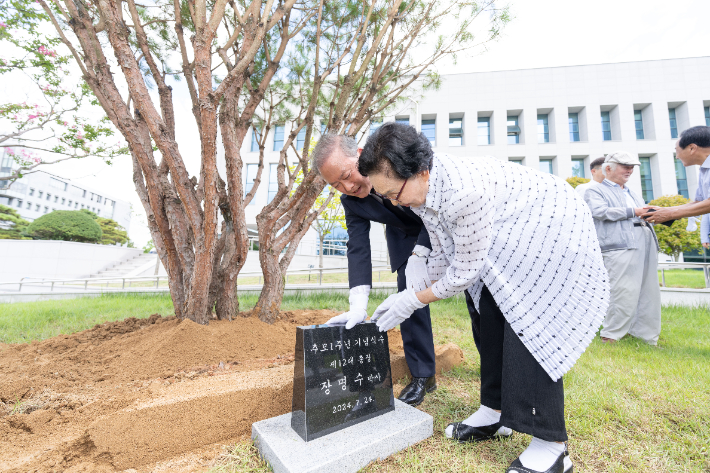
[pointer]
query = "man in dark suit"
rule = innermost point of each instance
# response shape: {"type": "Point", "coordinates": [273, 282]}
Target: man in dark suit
{"type": "Point", "coordinates": [336, 157]}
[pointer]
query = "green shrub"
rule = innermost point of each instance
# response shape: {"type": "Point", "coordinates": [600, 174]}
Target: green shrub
{"type": "Point", "coordinates": [674, 240]}
{"type": "Point", "coordinates": [574, 181]}
{"type": "Point", "coordinates": [66, 225]}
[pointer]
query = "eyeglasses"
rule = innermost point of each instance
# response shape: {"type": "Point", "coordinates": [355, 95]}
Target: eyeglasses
{"type": "Point", "coordinates": [396, 199]}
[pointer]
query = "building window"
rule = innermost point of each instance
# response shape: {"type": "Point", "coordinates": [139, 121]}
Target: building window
{"type": "Point", "coordinates": [484, 130]}
{"type": "Point", "coordinates": [70, 202]}
{"type": "Point", "coordinates": [278, 137]}
{"type": "Point", "coordinates": [39, 194]}
{"type": "Point", "coordinates": [273, 182]}
{"type": "Point", "coordinates": [429, 130]}
{"type": "Point", "coordinates": [255, 141]}
{"type": "Point", "coordinates": [76, 206]}
{"type": "Point", "coordinates": [646, 179]}
{"type": "Point", "coordinates": [19, 203]}
{"type": "Point", "coordinates": [322, 128]}
{"type": "Point", "coordinates": [83, 194]}
{"type": "Point", "coordinates": [374, 125]}
{"type": "Point", "coordinates": [516, 161]}
{"type": "Point", "coordinates": [56, 199]}
{"type": "Point", "coordinates": [674, 124]}
{"type": "Point", "coordinates": [578, 168]}
{"type": "Point", "coordinates": [301, 139]}
{"type": "Point", "coordinates": [606, 126]}
{"type": "Point", "coordinates": [513, 131]}
{"type": "Point", "coordinates": [546, 166]}
{"type": "Point", "coordinates": [82, 206]}
{"type": "Point", "coordinates": [403, 120]}
{"type": "Point", "coordinates": [32, 191]}
{"type": "Point", "coordinates": [707, 116]}
{"type": "Point", "coordinates": [543, 128]}
{"type": "Point", "coordinates": [63, 200]}
{"type": "Point", "coordinates": [98, 199]}
{"type": "Point", "coordinates": [455, 131]}
{"type": "Point", "coordinates": [29, 205]}
{"type": "Point", "coordinates": [37, 207]}
{"type": "Point", "coordinates": [638, 119]}
{"type": "Point", "coordinates": [46, 209]}
{"type": "Point", "coordinates": [6, 164]}
{"type": "Point", "coordinates": [251, 177]}
{"type": "Point", "coordinates": [574, 126]}
{"type": "Point", "coordinates": [680, 178]}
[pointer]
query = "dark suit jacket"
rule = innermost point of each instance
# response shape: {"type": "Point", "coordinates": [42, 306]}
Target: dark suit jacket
{"type": "Point", "coordinates": [404, 231]}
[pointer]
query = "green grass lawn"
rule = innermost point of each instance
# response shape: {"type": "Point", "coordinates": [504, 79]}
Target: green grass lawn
{"type": "Point", "coordinates": [629, 407]}
{"type": "Point", "coordinates": [692, 278]}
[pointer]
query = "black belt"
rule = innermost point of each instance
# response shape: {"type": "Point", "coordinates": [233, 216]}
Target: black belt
{"type": "Point", "coordinates": [640, 224]}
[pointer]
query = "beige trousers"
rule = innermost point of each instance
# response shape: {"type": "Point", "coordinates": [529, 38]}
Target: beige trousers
{"type": "Point", "coordinates": [635, 306]}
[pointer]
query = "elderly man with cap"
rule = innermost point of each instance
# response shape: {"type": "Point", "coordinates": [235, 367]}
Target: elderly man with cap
{"type": "Point", "coordinates": [630, 251]}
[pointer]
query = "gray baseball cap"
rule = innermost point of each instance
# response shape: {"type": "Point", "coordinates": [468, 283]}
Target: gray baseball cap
{"type": "Point", "coordinates": [622, 157]}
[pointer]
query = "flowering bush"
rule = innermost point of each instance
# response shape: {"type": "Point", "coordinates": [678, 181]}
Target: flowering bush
{"type": "Point", "coordinates": [58, 124]}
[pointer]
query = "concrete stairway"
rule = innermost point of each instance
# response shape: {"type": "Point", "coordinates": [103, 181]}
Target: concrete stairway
{"type": "Point", "coordinates": [127, 267]}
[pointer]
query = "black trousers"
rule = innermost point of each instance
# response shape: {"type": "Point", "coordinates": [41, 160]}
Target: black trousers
{"type": "Point", "coordinates": [417, 337]}
{"type": "Point", "coordinates": [475, 320]}
{"type": "Point", "coordinates": [513, 382]}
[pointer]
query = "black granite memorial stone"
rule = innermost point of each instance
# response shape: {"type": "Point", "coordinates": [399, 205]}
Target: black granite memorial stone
{"type": "Point", "coordinates": [341, 377]}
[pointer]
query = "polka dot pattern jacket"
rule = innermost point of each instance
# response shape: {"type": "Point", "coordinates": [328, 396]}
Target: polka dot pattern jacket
{"type": "Point", "coordinates": [530, 239]}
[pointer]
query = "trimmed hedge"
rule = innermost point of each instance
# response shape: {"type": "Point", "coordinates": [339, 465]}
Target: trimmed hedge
{"type": "Point", "coordinates": [66, 225]}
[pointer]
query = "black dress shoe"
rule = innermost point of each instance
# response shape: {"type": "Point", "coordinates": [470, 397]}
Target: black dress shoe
{"type": "Point", "coordinates": [413, 394]}
{"type": "Point", "coordinates": [465, 433]}
{"type": "Point", "coordinates": [563, 464]}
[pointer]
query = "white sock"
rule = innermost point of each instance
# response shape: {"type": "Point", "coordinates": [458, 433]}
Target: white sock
{"type": "Point", "coordinates": [540, 454]}
{"type": "Point", "coordinates": [482, 417]}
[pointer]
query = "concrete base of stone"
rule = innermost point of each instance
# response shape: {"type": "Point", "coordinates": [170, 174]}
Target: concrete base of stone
{"type": "Point", "coordinates": [347, 450]}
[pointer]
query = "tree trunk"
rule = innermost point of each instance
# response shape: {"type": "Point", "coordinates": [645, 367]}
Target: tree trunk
{"type": "Point", "coordinates": [272, 292]}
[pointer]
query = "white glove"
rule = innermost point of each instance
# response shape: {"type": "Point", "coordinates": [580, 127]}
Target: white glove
{"type": "Point", "coordinates": [359, 297]}
{"type": "Point", "coordinates": [396, 309]}
{"type": "Point", "coordinates": [416, 272]}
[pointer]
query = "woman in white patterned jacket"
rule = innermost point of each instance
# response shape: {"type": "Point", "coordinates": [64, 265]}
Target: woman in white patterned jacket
{"type": "Point", "coordinates": [524, 245]}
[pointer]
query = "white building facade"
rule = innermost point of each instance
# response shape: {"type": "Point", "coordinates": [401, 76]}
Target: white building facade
{"type": "Point", "coordinates": [556, 119]}
{"type": "Point", "coordinates": [41, 192]}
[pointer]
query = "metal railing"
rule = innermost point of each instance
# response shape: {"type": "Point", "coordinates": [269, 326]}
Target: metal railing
{"type": "Point", "coordinates": [330, 247]}
{"type": "Point", "coordinates": [662, 267]}
{"type": "Point", "coordinates": [117, 284]}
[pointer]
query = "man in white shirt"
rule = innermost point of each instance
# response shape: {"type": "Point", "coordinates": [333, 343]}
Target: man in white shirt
{"type": "Point", "coordinates": [597, 176]}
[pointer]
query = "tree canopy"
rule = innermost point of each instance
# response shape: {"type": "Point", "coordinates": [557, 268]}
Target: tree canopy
{"type": "Point", "coordinates": [49, 115]}
{"type": "Point", "coordinates": [66, 225]}
{"type": "Point", "coordinates": [12, 226]}
{"type": "Point", "coordinates": [251, 65]}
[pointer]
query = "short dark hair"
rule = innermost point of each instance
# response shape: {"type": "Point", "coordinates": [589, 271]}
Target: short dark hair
{"type": "Point", "coordinates": [597, 163]}
{"type": "Point", "coordinates": [397, 147]}
{"type": "Point", "coordinates": [697, 135]}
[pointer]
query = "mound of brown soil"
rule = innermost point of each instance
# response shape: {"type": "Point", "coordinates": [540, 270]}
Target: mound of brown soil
{"type": "Point", "coordinates": [63, 400]}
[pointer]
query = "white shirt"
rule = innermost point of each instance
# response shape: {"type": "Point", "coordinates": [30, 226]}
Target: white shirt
{"type": "Point", "coordinates": [582, 188]}
{"type": "Point", "coordinates": [531, 240]}
{"type": "Point", "coordinates": [630, 202]}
